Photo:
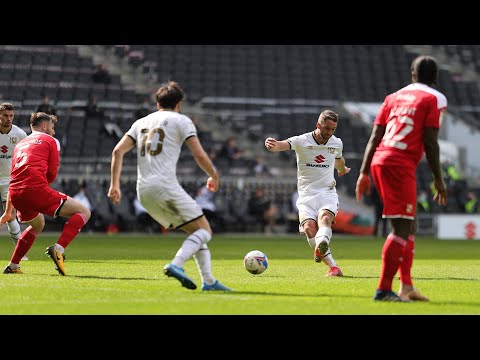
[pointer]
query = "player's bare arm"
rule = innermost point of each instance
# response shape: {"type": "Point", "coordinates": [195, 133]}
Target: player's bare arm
{"type": "Point", "coordinates": [275, 145]}
{"type": "Point", "coordinates": [124, 145]}
{"type": "Point", "coordinates": [340, 166]}
{"type": "Point", "coordinates": [363, 182]}
{"type": "Point", "coordinates": [204, 162]}
{"type": "Point", "coordinates": [7, 214]}
{"type": "Point", "coordinates": [432, 153]}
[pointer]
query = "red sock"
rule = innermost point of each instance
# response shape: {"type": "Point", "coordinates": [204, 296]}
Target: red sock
{"type": "Point", "coordinates": [391, 258]}
{"type": "Point", "coordinates": [24, 244]}
{"type": "Point", "coordinates": [71, 229]}
{"type": "Point", "coordinates": [406, 265]}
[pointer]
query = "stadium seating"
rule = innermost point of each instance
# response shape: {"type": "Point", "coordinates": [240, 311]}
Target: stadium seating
{"type": "Point", "coordinates": [254, 91]}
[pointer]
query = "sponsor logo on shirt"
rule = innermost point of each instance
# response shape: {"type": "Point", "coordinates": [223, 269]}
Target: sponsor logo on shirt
{"type": "Point", "coordinates": [319, 159]}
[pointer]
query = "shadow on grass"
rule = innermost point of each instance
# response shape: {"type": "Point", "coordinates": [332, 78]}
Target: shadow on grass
{"type": "Point", "coordinates": [102, 277]}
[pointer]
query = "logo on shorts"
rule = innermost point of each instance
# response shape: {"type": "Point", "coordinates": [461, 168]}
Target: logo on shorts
{"type": "Point", "coordinates": [409, 208]}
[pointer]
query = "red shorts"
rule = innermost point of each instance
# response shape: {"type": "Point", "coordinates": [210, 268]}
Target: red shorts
{"type": "Point", "coordinates": [30, 202]}
{"type": "Point", "coordinates": [397, 187]}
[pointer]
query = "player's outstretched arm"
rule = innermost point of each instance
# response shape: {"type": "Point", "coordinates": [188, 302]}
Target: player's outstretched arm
{"type": "Point", "coordinates": [432, 153]}
{"type": "Point", "coordinates": [363, 186]}
{"type": "Point", "coordinates": [340, 166]}
{"type": "Point", "coordinates": [363, 181]}
{"type": "Point", "coordinates": [124, 145]}
{"type": "Point", "coordinates": [204, 162]}
{"type": "Point", "coordinates": [7, 215]}
{"type": "Point", "coordinates": [275, 145]}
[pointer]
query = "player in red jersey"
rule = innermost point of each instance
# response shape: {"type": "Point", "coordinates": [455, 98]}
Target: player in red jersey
{"type": "Point", "coordinates": [406, 125]}
{"type": "Point", "coordinates": [35, 164]}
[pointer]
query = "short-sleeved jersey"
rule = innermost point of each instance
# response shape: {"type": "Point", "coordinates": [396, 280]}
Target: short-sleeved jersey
{"type": "Point", "coordinates": [315, 162]}
{"type": "Point", "coordinates": [159, 138]}
{"type": "Point", "coordinates": [35, 161]}
{"type": "Point", "coordinates": [405, 114]}
{"type": "Point", "coordinates": [7, 144]}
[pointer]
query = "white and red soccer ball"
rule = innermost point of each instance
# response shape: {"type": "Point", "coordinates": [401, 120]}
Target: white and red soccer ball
{"type": "Point", "coordinates": [255, 262]}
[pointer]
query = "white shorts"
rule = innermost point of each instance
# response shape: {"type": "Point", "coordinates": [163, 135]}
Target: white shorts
{"type": "Point", "coordinates": [310, 206]}
{"type": "Point", "coordinates": [171, 207]}
{"type": "Point", "coordinates": [4, 191]}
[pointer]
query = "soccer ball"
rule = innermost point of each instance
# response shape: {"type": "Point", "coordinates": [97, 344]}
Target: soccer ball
{"type": "Point", "coordinates": [255, 262]}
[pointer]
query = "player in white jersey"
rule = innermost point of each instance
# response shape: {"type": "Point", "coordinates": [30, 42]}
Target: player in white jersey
{"type": "Point", "coordinates": [10, 135]}
{"type": "Point", "coordinates": [318, 153]}
{"type": "Point", "coordinates": [158, 138]}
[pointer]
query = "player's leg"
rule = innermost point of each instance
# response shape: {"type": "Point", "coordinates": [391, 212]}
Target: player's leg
{"type": "Point", "coordinates": [326, 201]}
{"type": "Point", "coordinates": [407, 290]}
{"type": "Point", "coordinates": [25, 241]}
{"type": "Point", "coordinates": [164, 205]}
{"type": "Point", "coordinates": [307, 216]}
{"type": "Point", "coordinates": [77, 215]}
{"type": "Point", "coordinates": [174, 207]}
{"type": "Point", "coordinates": [309, 228]}
{"type": "Point", "coordinates": [202, 256]}
{"type": "Point", "coordinates": [322, 243]}
{"type": "Point", "coordinates": [394, 190]}
{"type": "Point", "coordinates": [13, 226]}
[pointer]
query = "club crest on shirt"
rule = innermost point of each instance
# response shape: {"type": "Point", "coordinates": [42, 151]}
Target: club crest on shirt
{"type": "Point", "coordinates": [13, 140]}
{"type": "Point", "coordinates": [331, 150]}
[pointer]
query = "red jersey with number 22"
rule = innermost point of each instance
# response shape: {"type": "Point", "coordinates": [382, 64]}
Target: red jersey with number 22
{"type": "Point", "coordinates": [35, 162]}
{"type": "Point", "coordinates": [405, 114]}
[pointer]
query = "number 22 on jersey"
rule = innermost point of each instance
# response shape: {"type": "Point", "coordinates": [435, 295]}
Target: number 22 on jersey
{"type": "Point", "coordinates": [396, 130]}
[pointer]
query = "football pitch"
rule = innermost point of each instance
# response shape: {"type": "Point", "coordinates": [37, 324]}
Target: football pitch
{"type": "Point", "coordinates": [122, 275]}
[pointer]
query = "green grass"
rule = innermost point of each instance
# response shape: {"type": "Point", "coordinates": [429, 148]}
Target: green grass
{"type": "Point", "coordinates": [123, 275]}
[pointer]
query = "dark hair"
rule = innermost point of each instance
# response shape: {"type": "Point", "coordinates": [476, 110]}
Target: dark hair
{"type": "Point", "coordinates": [39, 117]}
{"type": "Point", "coordinates": [7, 106]}
{"type": "Point", "coordinates": [425, 69]}
{"type": "Point", "coordinates": [169, 95]}
{"type": "Point", "coordinates": [327, 115]}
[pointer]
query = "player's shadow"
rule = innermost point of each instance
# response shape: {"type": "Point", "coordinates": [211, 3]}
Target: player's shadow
{"type": "Point", "coordinates": [237, 293]}
{"type": "Point", "coordinates": [104, 277]}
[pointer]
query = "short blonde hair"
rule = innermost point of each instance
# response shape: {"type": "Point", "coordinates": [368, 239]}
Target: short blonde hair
{"type": "Point", "coordinates": [327, 115]}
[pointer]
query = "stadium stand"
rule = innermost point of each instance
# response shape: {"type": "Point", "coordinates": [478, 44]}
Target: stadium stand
{"type": "Point", "coordinates": [251, 91]}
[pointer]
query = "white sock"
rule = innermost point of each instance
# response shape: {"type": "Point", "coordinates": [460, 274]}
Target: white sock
{"type": "Point", "coordinates": [328, 259]}
{"type": "Point", "coordinates": [311, 242]}
{"type": "Point", "coordinates": [60, 248]}
{"type": "Point", "coordinates": [323, 233]}
{"type": "Point", "coordinates": [14, 230]}
{"type": "Point", "coordinates": [203, 258]}
{"type": "Point", "coordinates": [190, 246]}
{"type": "Point", "coordinates": [13, 266]}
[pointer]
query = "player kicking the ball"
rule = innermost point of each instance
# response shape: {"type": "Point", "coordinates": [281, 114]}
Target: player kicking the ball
{"type": "Point", "coordinates": [318, 153]}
